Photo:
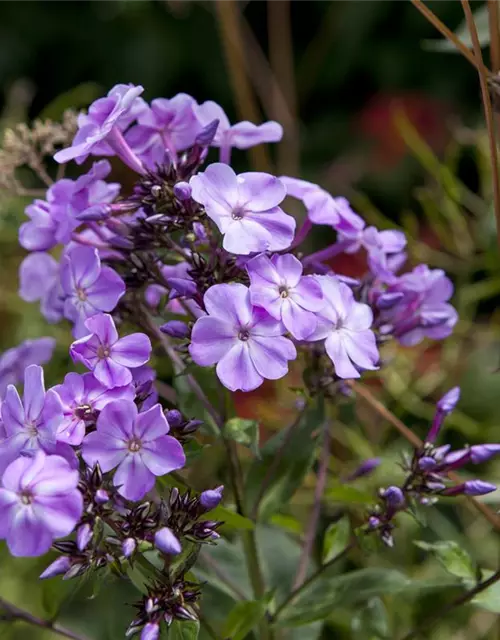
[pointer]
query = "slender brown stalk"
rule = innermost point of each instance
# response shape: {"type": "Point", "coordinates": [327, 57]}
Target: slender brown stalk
{"type": "Point", "coordinates": [494, 27]}
{"type": "Point", "coordinates": [312, 528]}
{"type": "Point", "coordinates": [447, 33]}
{"type": "Point", "coordinates": [488, 111]}
{"type": "Point", "coordinates": [279, 27]}
{"type": "Point", "coordinates": [232, 40]}
{"type": "Point", "coordinates": [9, 612]}
{"type": "Point", "coordinates": [463, 599]}
{"type": "Point", "coordinates": [413, 439]}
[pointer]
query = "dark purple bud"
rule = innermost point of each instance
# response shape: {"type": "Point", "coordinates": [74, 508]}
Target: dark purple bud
{"type": "Point", "coordinates": [121, 243]}
{"type": "Point", "coordinates": [192, 426]}
{"type": "Point", "coordinates": [426, 463]}
{"type": "Point", "coordinates": [166, 542]}
{"type": "Point", "coordinates": [83, 536]}
{"type": "Point", "coordinates": [207, 134]}
{"type": "Point", "coordinates": [175, 329]}
{"type": "Point", "coordinates": [364, 469]}
{"type": "Point", "coordinates": [118, 226]}
{"type": "Point", "coordinates": [483, 452]}
{"type": "Point", "coordinates": [449, 401]}
{"type": "Point", "coordinates": [151, 631]}
{"type": "Point", "coordinates": [59, 566]}
{"type": "Point", "coordinates": [174, 418]}
{"type": "Point", "coordinates": [184, 614]}
{"type": "Point", "coordinates": [394, 497]}
{"type": "Point", "coordinates": [470, 488]}
{"type": "Point", "coordinates": [94, 213]}
{"type": "Point", "coordinates": [128, 547]}
{"type": "Point", "coordinates": [101, 496]}
{"type": "Point", "coordinates": [182, 191]}
{"type": "Point", "coordinates": [388, 300]}
{"type": "Point", "coordinates": [373, 522]}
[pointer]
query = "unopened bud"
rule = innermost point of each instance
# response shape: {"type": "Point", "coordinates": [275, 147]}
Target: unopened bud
{"type": "Point", "coordinates": [59, 566]}
{"type": "Point", "coordinates": [167, 542]}
{"type": "Point", "coordinates": [175, 329]}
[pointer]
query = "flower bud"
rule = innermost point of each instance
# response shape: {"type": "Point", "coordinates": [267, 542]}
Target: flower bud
{"type": "Point", "coordinates": [175, 329]}
{"type": "Point", "coordinates": [364, 469]}
{"type": "Point", "coordinates": [101, 496]}
{"type": "Point", "coordinates": [449, 401]}
{"type": "Point", "coordinates": [394, 497]}
{"type": "Point", "coordinates": [174, 418]}
{"type": "Point", "coordinates": [373, 522]}
{"type": "Point", "coordinates": [389, 300]}
{"type": "Point", "coordinates": [211, 498]}
{"type": "Point", "coordinates": [166, 542]}
{"type": "Point", "coordinates": [182, 191]}
{"type": "Point", "coordinates": [128, 547]}
{"type": "Point", "coordinates": [151, 631]}
{"type": "Point", "coordinates": [470, 488]}
{"type": "Point", "coordinates": [59, 566]}
{"type": "Point", "coordinates": [483, 452]}
{"type": "Point", "coordinates": [426, 463]}
{"type": "Point", "coordinates": [83, 536]}
{"type": "Point", "coordinates": [207, 134]}
{"type": "Point", "coordinates": [95, 213]}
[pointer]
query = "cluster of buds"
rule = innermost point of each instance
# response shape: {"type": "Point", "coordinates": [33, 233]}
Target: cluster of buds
{"type": "Point", "coordinates": [164, 603]}
{"type": "Point", "coordinates": [181, 428]}
{"type": "Point", "coordinates": [428, 475]}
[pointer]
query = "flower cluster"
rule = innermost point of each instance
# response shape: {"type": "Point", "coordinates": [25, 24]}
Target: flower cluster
{"type": "Point", "coordinates": [209, 263]}
{"type": "Point", "coordinates": [427, 474]}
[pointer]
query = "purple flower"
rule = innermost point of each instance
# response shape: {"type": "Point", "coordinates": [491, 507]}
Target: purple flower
{"type": "Point", "coordinates": [81, 397]}
{"type": "Point", "coordinates": [277, 285]}
{"type": "Point", "coordinates": [245, 341]}
{"type": "Point", "coordinates": [322, 208]}
{"type": "Point", "coordinates": [40, 280]}
{"type": "Point", "coordinates": [13, 362]}
{"type": "Point", "coordinates": [242, 135]}
{"type": "Point", "coordinates": [444, 407]}
{"type": "Point", "coordinates": [245, 209]}
{"type": "Point", "coordinates": [103, 124]}
{"type": "Point", "coordinates": [136, 443]}
{"type": "Point", "coordinates": [106, 355]}
{"type": "Point", "coordinates": [424, 311]}
{"type": "Point", "coordinates": [39, 502]}
{"type": "Point", "coordinates": [345, 324]}
{"type": "Point", "coordinates": [169, 125]}
{"type": "Point", "coordinates": [53, 221]}
{"type": "Point", "coordinates": [167, 542]}
{"type": "Point", "coordinates": [89, 287]}
{"type": "Point", "coordinates": [30, 424]}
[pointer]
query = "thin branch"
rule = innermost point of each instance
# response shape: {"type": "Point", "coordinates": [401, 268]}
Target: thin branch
{"type": "Point", "coordinates": [463, 599]}
{"type": "Point", "coordinates": [232, 39]}
{"type": "Point", "coordinates": [13, 613]}
{"type": "Point", "coordinates": [312, 528]}
{"type": "Point", "coordinates": [448, 34]}
{"type": "Point", "coordinates": [488, 110]}
{"type": "Point", "coordinates": [417, 443]}
{"type": "Point", "coordinates": [282, 64]}
{"type": "Point", "coordinates": [494, 27]}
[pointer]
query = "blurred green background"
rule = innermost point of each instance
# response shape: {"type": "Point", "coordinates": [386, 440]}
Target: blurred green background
{"type": "Point", "coordinates": [372, 111]}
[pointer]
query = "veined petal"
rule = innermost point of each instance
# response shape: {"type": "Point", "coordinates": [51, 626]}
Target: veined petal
{"type": "Point", "coordinates": [246, 236]}
{"type": "Point", "coordinates": [163, 455]}
{"type": "Point", "coordinates": [132, 351]}
{"type": "Point", "coordinates": [270, 355]}
{"type": "Point", "coordinates": [237, 371]}
{"type": "Point", "coordinates": [150, 424]}
{"type": "Point", "coordinates": [100, 448]}
{"type": "Point", "coordinates": [259, 191]}
{"type": "Point", "coordinates": [298, 321]}
{"type": "Point", "coordinates": [133, 478]}
{"type": "Point", "coordinates": [336, 349]}
{"type": "Point", "coordinates": [279, 225]}
{"type": "Point", "coordinates": [231, 303]}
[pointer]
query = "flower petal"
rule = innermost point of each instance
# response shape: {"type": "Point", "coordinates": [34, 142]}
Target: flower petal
{"type": "Point", "coordinates": [163, 455]}
{"type": "Point", "coordinates": [100, 448]}
{"type": "Point", "coordinates": [34, 392]}
{"type": "Point", "coordinates": [132, 351]}
{"type": "Point", "coordinates": [289, 268]}
{"type": "Point", "coordinates": [246, 236]}
{"type": "Point", "coordinates": [336, 349]}
{"type": "Point", "coordinates": [260, 191]}
{"type": "Point", "coordinates": [237, 371]}
{"type": "Point", "coordinates": [151, 424]}
{"type": "Point", "coordinates": [298, 321]}
{"type": "Point", "coordinates": [133, 478]}
{"type": "Point", "coordinates": [230, 302]}
{"type": "Point", "coordinates": [59, 514]}
{"type": "Point", "coordinates": [111, 374]}
{"type": "Point", "coordinates": [361, 347]}
{"type": "Point", "coordinates": [308, 294]}
{"type": "Point", "coordinates": [27, 536]}
{"type": "Point", "coordinates": [278, 224]}
{"type": "Point", "coordinates": [117, 419]}
{"type": "Point", "coordinates": [211, 339]}
{"type": "Point", "coordinates": [270, 355]}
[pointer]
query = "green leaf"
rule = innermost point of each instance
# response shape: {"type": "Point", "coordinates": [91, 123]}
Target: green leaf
{"type": "Point", "coordinates": [336, 538]}
{"type": "Point", "coordinates": [452, 556]}
{"type": "Point", "coordinates": [245, 432]}
{"type": "Point", "coordinates": [317, 600]}
{"type": "Point", "coordinates": [371, 621]}
{"type": "Point", "coordinates": [76, 98]}
{"type": "Point", "coordinates": [232, 520]}
{"type": "Point", "coordinates": [184, 630]}
{"type": "Point", "coordinates": [243, 618]}
{"type": "Point", "coordinates": [349, 495]}
{"type": "Point", "coordinates": [287, 456]}
{"type": "Point", "coordinates": [489, 599]}
{"type": "Point", "coordinates": [481, 20]}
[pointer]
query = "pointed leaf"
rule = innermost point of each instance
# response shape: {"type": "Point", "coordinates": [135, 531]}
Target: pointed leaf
{"type": "Point", "coordinates": [243, 618]}
{"type": "Point", "coordinates": [452, 556]}
{"type": "Point", "coordinates": [336, 538]}
{"type": "Point", "coordinates": [245, 432]}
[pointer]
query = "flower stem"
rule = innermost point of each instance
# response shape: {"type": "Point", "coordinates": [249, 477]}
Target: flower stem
{"type": "Point", "coordinates": [9, 612]}
{"type": "Point", "coordinates": [463, 599]}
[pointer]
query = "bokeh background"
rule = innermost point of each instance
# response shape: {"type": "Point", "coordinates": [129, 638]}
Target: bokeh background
{"type": "Point", "coordinates": [374, 108]}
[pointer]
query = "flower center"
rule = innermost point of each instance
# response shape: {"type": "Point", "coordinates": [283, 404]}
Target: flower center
{"type": "Point", "coordinates": [81, 294]}
{"type": "Point", "coordinates": [134, 445]}
{"type": "Point", "coordinates": [31, 429]}
{"type": "Point", "coordinates": [237, 214]}
{"type": "Point", "coordinates": [82, 412]}
{"type": "Point", "coordinates": [244, 334]}
{"type": "Point", "coordinates": [283, 291]}
{"type": "Point", "coordinates": [103, 351]}
{"type": "Point", "coordinates": [26, 497]}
